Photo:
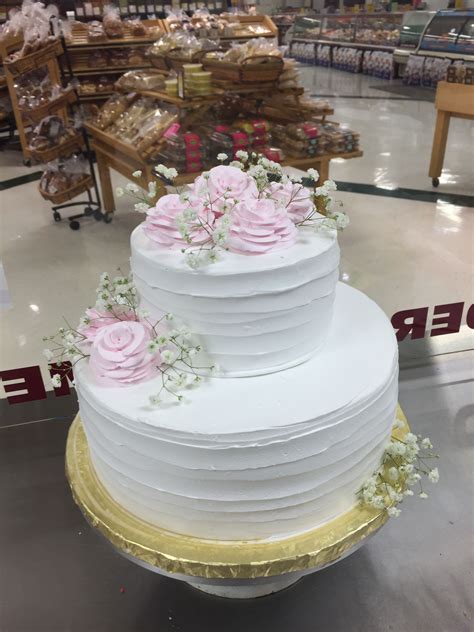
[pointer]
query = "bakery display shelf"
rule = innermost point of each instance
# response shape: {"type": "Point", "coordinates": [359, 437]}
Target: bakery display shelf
{"type": "Point", "coordinates": [255, 69]}
{"type": "Point", "coordinates": [119, 146]}
{"type": "Point", "coordinates": [62, 149]}
{"type": "Point", "coordinates": [34, 60]}
{"type": "Point", "coordinates": [107, 70]}
{"type": "Point", "coordinates": [79, 40]}
{"type": "Point", "coordinates": [245, 22]}
{"type": "Point", "coordinates": [47, 109]}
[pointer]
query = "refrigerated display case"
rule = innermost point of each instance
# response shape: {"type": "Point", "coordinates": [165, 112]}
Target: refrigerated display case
{"type": "Point", "coordinates": [449, 33]}
{"type": "Point", "coordinates": [372, 31]}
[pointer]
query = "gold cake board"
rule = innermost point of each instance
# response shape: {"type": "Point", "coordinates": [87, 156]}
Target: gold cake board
{"type": "Point", "coordinates": [212, 564]}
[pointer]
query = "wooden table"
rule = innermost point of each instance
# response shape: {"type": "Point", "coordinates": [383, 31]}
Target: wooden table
{"type": "Point", "coordinates": [110, 157]}
{"type": "Point", "coordinates": [452, 99]}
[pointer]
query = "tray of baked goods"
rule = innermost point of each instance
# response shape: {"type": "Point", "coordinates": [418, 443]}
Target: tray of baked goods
{"type": "Point", "coordinates": [256, 61]}
{"type": "Point", "coordinates": [65, 179]}
{"type": "Point", "coordinates": [58, 98]}
{"type": "Point", "coordinates": [225, 26]}
{"type": "Point", "coordinates": [32, 55]}
{"type": "Point", "coordinates": [39, 96]}
{"type": "Point", "coordinates": [132, 124]}
{"type": "Point", "coordinates": [108, 61]}
{"type": "Point", "coordinates": [54, 137]}
{"type": "Point", "coordinates": [112, 31]}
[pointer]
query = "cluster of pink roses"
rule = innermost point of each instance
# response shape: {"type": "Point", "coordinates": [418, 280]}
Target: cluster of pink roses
{"type": "Point", "coordinates": [119, 349]}
{"type": "Point", "coordinates": [260, 222]}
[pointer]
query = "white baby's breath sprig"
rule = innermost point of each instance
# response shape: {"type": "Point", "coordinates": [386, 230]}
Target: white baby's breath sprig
{"type": "Point", "coordinates": [403, 466]}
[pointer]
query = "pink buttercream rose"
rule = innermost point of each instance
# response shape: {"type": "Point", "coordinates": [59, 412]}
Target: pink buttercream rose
{"type": "Point", "coordinates": [161, 221]}
{"type": "Point", "coordinates": [224, 186]}
{"type": "Point", "coordinates": [260, 226]}
{"type": "Point", "coordinates": [294, 197]}
{"type": "Point", "coordinates": [98, 319]}
{"type": "Point", "coordinates": [120, 355]}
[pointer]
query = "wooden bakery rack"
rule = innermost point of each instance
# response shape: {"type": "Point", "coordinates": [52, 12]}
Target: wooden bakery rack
{"type": "Point", "coordinates": [113, 153]}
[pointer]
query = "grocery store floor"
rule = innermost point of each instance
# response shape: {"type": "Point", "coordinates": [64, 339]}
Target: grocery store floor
{"type": "Point", "coordinates": [408, 246]}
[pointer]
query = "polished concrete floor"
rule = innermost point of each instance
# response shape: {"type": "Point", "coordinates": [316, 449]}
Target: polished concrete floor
{"type": "Point", "coordinates": [408, 246]}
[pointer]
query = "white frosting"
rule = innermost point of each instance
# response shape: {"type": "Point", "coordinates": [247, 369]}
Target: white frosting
{"type": "Point", "coordinates": [253, 314]}
{"type": "Point", "coordinates": [260, 457]}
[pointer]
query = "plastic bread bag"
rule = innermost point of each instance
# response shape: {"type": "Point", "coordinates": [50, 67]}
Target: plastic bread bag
{"type": "Point", "coordinates": [76, 167]}
{"type": "Point", "coordinates": [136, 27]}
{"type": "Point", "coordinates": [50, 131]}
{"type": "Point", "coordinates": [113, 25]}
{"type": "Point", "coordinates": [152, 130]}
{"type": "Point", "coordinates": [141, 80]}
{"type": "Point", "coordinates": [111, 110]}
{"type": "Point", "coordinates": [53, 180]}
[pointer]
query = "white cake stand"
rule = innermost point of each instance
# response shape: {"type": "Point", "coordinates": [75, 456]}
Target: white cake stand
{"type": "Point", "coordinates": [234, 569]}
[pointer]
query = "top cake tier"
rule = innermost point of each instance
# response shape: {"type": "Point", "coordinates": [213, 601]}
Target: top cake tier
{"type": "Point", "coordinates": [253, 314]}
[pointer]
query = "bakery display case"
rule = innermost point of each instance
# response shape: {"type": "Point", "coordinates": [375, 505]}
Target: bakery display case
{"type": "Point", "coordinates": [375, 31]}
{"type": "Point", "coordinates": [338, 28]}
{"type": "Point", "coordinates": [449, 33]}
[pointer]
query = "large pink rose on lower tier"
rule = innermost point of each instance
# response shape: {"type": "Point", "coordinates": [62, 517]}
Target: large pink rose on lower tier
{"type": "Point", "coordinates": [161, 221]}
{"type": "Point", "coordinates": [223, 186]}
{"type": "Point", "coordinates": [260, 226]}
{"type": "Point", "coordinates": [294, 197]}
{"type": "Point", "coordinates": [97, 319]}
{"type": "Point", "coordinates": [120, 355]}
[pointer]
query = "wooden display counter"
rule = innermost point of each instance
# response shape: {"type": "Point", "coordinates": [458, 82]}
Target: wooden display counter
{"type": "Point", "coordinates": [452, 99]}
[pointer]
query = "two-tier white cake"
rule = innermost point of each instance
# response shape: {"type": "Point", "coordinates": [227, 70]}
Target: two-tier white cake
{"type": "Point", "coordinates": [283, 437]}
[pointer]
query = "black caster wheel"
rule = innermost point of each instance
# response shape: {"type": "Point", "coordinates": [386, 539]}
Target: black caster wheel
{"type": "Point", "coordinates": [108, 218]}
{"type": "Point", "coordinates": [57, 216]}
{"type": "Point", "coordinates": [88, 211]}
{"type": "Point", "coordinates": [27, 162]}
{"type": "Point", "coordinates": [435, 182]}
{"type": "Point", "coordinates": [74, 225]}
{"type": "Point", "coordinates": [98, 215]}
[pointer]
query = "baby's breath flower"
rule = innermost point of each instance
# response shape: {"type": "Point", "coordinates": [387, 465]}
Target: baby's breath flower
{"type": "Point", "coordinates": [137, 173]}
{"type": "Point", "coordinates": [48, 354]}
{"type": "Point", "coordinates": [119, 192]}
{"type": "Point", "coordinates": [242, 155]}
{"type": "Point", "coordinates": [56, 380]}
{"type": "Point", "coordinates": [423, 495]}
{"type": "Point", "coordinates": [394, 512]}
{"type": "Point", "coordinates": [393, 474]}
{"type": "Point", "coordinates": [222, 157]}
{"type": "Point", "coordinates": [141, 207]}
{"type": "Point", "coordinates": [313, 174]}
{"type": "Point", "coordinates": [131, 187]}
{"type": "Point", "coordinates": [434, 475]}
{"type": "Point", "coordinates": [155, 400]}
{"type": "Point", "coordinates": [426, 444]}
{"type": "Point", "coordinates": [168, 356]}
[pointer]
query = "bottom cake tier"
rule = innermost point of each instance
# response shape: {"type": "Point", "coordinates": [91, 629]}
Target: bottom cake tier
{"type": "Point", "coordinates": [257, 457]}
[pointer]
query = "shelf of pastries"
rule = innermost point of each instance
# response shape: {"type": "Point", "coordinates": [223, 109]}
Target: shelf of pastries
{"type": "Point", "coordinates": [108, 61]}
{"type": "Point", "coordinates": [132, 124]}
{"type": "Point", "coordinates": [225, 26]}
{"type": "Point", "coordinates": [111, 33]}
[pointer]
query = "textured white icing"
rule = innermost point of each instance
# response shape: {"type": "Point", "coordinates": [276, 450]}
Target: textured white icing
{"type": "Point", "coordinates": [253, 314]}
{"type": "Point", "coordinates": [259, 457]}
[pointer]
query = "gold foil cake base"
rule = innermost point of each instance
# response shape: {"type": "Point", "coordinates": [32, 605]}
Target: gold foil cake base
{"type": "Point", "coordinates": [173, 553]}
